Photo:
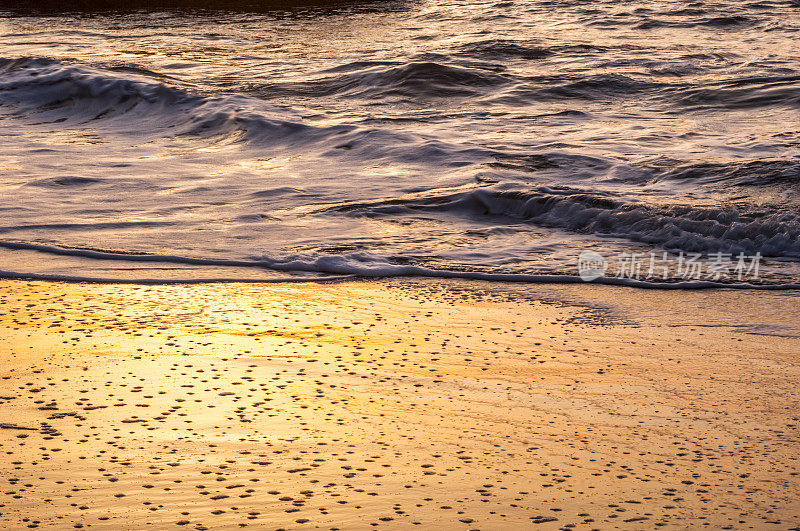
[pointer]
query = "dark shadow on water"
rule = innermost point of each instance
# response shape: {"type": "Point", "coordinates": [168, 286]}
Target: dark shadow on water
{"type": "Point", "coordinates": [52, 7]}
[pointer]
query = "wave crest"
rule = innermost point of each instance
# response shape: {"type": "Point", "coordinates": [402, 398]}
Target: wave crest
{"type": "Point", "coordinates": [681, 227]}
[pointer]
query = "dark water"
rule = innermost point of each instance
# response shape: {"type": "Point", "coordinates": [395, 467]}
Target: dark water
{"type": "Point", "coordinates": [397, 138]}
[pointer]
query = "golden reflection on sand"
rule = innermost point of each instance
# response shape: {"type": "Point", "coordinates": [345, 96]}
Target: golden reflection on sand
{"type": "Point", "coordinates": [393, 404]}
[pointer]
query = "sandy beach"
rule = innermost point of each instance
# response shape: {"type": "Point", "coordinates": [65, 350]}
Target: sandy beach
{"type": "Point", "coordinates": [438, 265]}
{"type": "Point", "coordinates": [396, 404]}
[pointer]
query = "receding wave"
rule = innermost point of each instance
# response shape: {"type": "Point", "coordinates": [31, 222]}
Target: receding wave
{"type": "Point", "coordinates": [341, 267]}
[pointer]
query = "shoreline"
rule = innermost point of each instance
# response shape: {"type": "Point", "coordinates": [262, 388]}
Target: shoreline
{"type": "Point", "coordinates": [443, 275]}
{"type": "Point", "coordinates": [428, 401]}
{"type": "Point", "coordinates": [54, 264]}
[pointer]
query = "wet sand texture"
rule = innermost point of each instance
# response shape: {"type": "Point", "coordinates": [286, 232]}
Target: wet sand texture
{"type": "Point", "coordinates": [395, 405]}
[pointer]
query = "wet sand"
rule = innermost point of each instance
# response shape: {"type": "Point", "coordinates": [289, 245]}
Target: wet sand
{"type": "Point", "coordinates": [397, 404]}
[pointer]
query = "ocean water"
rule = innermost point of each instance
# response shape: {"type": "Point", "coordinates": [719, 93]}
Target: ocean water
{"type": "Point", "coordinates": [478, 139]}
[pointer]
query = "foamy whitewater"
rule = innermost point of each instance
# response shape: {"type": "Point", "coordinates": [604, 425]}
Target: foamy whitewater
{"type": "Point", "coordinates": [437, 138]}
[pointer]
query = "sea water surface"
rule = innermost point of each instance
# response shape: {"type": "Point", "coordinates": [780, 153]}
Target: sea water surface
{"type": "Point", "coordinates": [437, 137]}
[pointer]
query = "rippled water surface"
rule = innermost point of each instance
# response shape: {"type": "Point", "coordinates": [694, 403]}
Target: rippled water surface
{"type": "Point", "coordinates": [382, 138]}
